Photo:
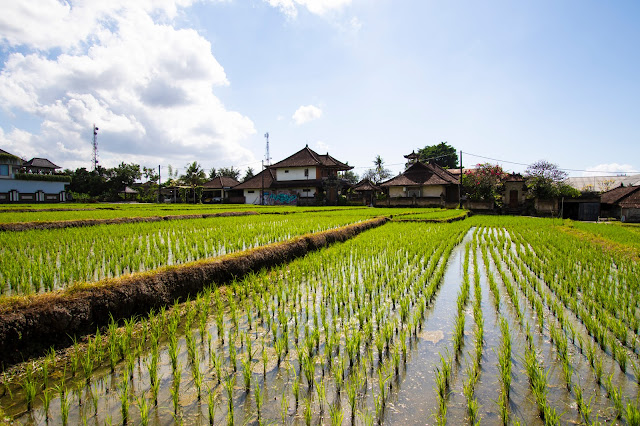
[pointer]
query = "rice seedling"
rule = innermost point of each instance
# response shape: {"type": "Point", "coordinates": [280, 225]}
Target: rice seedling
{"type": "Point", "coordinates": [284, 407]}
{"type": "Point", "coordinates": [143, 406]}
{"type": "Point", "coordinates": [229, 385]}
{"type": "Point", "coordinates": [29, 386]}
{"type": "Point", "coordinates": [175, 389]}
{"type": "Point", "coordinates": [295, 385]}
{"type": "Point", "coordinates": [65, 404]}
{"type": "Point", "coordinates": [632, 414]}
{"type": "Point", "coordinates": [335, 414]}
{"type": "Point", "coordinates": [308, 413]}
{"type": "Point", "coordinates": [246, 373]}
{"type": "Point", "coordinates": [212, 402]}
{"type": "Point", "coordinates": [123, 395]}
{"type": "Point", "coordinates": [46, 402]}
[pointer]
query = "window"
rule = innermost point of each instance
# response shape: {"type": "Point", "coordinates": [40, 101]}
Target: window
{"type": "Point", "coordinates": [306, 190]}
{"type": "Point", "coordinates": [286, 171]}
{"type": "Point", "coordinates": [250, 192]}
{"type": "Point", "coordinates": [4, 170]}
{"type": "Point", "coordinates": [306, 172]}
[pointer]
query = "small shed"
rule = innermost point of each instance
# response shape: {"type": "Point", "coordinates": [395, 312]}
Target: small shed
{"type": "Point", "coordinates": [128, 193]}
{"type": "Point", "coordinates": [365, 191]}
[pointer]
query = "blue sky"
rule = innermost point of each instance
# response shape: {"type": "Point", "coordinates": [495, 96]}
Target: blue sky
{"type": "Point", "coordinates": [175, 81]}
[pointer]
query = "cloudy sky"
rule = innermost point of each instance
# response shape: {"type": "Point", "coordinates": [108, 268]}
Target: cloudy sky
{"type": "Point", "coordinates": [176, 81]}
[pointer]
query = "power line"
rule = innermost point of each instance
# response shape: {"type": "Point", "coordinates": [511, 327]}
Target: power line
{"type": "Point", "coordinates": [559, 168]}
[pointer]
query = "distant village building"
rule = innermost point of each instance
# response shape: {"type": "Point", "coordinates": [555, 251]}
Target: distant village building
{"type": "Point", "coordinates": [304, 178]}
{"type": "Point", "coordinates": [30, 181]}
{"type": "Point", "coordinates": [366, 192]}
{"type": "Point", "coordinates": [220, 189]}
{"type": "Point", "coordinates": [514, 196]}
{"type": "Point", "coordinates": [621, 203]}
{"type": "Point", "coordinates": [602, 183]}
{"type": "Point", "coordinates": [422, 185]}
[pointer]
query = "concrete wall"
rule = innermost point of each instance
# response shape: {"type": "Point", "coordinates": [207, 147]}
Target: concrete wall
{"type": "Point", "coordinates": [411, 202]}
{"type": "Point", "coordinates": [295, 173]}
{"type": "Point", "coordinates": [631, 215]}
{"type": "Point", "coordinates": [31, 191]}
{"type": "Point", "coordinates": [425, 191]}
{"type": "Point", "coordinates": [31, 186]}
{"type": "Point", "coordinates": [252, 196]}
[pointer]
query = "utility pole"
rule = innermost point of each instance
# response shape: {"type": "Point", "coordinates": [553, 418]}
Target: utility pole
{"type": "Point", "coordinates": [262, 186]}
{"type": "Point", "coordinates": [159, 181]}
{"type": "Point", "coordinates": [95, 147]}
{"type": "Point", "coordinates": [460, 183]}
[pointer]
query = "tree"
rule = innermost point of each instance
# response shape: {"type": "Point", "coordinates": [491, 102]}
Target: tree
{"type": "Point", "coordinates": [122, 176]}
{"type": "Point", "coordinates": [442, 154]}
{"type": "Point", "coordinates": [228, 172]}
{"type": "Point", "coordinates": [212, 173]}
{"type": "Point", "coordinates": [545, 180]}
{"type": "Point", "coordinates": [248, 174]}
{"type": "Point", "coordinates": [172, 179]}
{"type": "Point", "coordinates": [150, 174]}
{"type": "Point", "coordinates": [194, 176]}
{"type": "Point", "coordinates": [379, 172]}
{"type": "Point", "coordinates": [85, 182]}
{"type": "Point", "coordinates": [483, 182]}
{"type": "Point", "coordinates": [350, 176]}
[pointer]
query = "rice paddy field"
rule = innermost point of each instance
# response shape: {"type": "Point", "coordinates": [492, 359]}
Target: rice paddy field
{"type": "Point", "coordinates": [486, 320]}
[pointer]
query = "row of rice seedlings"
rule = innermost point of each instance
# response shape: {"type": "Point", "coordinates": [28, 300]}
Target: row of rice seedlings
{"type": "Point", "coordinates": [473, 369]}
{"type": "Point", "coordinates": [618, 317]}
{"type": "Point", "coordinates": [559, 339]}
{"type": "Point", "coordinates": [39, 261]}
{"type": "Point", "coordinates": [610, 336]}
{"type": "Point", "coordinates": [533, 367]}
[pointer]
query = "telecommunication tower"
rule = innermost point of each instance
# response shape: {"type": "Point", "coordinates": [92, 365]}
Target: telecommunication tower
{"type": "Point", "coordinates": [267, 158]}
{"type": "Point", "coordinates": [95, 147]}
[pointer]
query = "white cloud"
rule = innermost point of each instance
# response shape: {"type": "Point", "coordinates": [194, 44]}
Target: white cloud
{"type": "Point", "coordinates": [321, 147]}
{"type": "Point", "coordinates": [147, 85]}
{"type": "Point", "coordinates": [611, 169]}
{"type": "Point", "coordinates": [306, 113]}
{"type": "Point", "coordinates": [317, 7]}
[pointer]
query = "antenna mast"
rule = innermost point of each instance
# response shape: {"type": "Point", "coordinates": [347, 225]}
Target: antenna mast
{"type": "Point", "coordinates": [95, 147]}
{"type": "Point", "coordinates": [267, 161]}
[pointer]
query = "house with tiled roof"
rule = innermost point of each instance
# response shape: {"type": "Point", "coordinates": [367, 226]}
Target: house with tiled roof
{"type": "Point", "coordinates": [39, 165]}
{"type": "Point", "coordinates": [219, 189]}
{"type": "Point", "coordinates": [30, 181]}
{"type": "Point", "coordinates": [422, 184]}
{"type": "Point", "coordinates": [304, 178]}
{"type": "Point", "coordinates": [623, 201]}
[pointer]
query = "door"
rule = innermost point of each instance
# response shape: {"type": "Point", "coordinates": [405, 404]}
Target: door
{"type": "Point", "coordinates": [513, 198]}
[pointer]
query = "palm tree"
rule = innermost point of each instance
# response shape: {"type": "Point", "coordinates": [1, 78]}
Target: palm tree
{"type": "Point", "coordinates": [194, 176]}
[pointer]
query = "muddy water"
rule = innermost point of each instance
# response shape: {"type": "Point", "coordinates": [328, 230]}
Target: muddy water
{"type": "Point", "coordinates": [415, 401]}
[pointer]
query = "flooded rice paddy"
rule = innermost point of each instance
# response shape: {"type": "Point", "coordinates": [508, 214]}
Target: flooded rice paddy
{"type": "Point", "coordinates": [408, 323]}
